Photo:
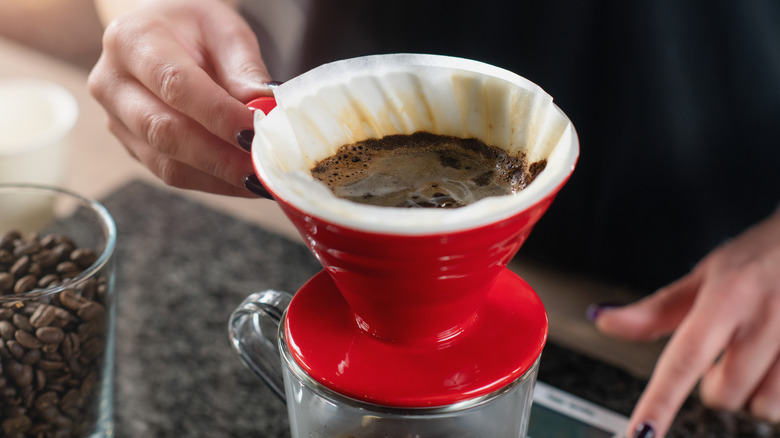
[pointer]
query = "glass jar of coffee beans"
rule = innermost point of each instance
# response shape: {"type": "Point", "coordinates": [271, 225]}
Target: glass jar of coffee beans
{"type": "Point", "coordinates": [56, 319]}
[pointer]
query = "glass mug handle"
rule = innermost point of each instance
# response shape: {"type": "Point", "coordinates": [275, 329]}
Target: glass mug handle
{"type": "Point", "coordinates": [254, 335]}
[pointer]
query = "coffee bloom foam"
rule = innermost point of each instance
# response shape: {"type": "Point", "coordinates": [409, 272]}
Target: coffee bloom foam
{"type": "Point", "coordinates": [371, 97]}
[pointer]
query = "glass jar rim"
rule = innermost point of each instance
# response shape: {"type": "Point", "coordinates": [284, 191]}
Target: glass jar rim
{"type": "Point", "coordinates": [98, 209]}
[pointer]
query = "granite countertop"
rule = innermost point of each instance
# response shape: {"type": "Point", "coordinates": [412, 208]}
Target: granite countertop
{"type": "Point", "coordinates": [182, 268]}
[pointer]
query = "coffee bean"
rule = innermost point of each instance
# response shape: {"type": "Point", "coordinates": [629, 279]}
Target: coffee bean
{"type": "Point", "coordinates": [27, 340]}
{"type": "Point", "coordinates": [21, 322]}
{"type": "Point", "coordinates": [19, 268]}
{"type": "Point", "coordinates": [7, 281]}
{"type": "Point", "coordinates": [87, 331]}
{"type": "Point", "coordinates": [16, 350]}
{"type": "Point", "coordinates": [62, 239]}
{"type": "Point", "coordinates": [67, 268]}
{"type": "Point", "coordinates": [8, 238]}
{"type": "Point", "coordinates": [24, 248]}
{"type": "Point", "coordinates": [51, 365]}
{"type": "Point", "coordinates": [25, 284]}
{"type": "Point", "coordinates": [8, 392]}
{"type": "Point", "coordinates": [47, 399]}
{"type": "Point", "coordinates": [43, 316]}
{"type": "Point", "coordinates": [63, 316]}
{"type": "Point", "coordinates": [48, 412]}
{"type": "Point", "coordinates": [20, 373]}
{"type": "Point", "coordinates": [62, 434]}
{"type": "Point", "coordinates": [15, 411]}
{"type": "Point", "coordinates": [6, 259]}
{"type": "Point", "coordinates": [28, 394]}
{"type": "Point", "coordinates": [31, 357]}
{"type": "Point", "coordinates": [48, 241]}
{"type": "Point", "coordinates": [48, 281]}
{"type": "Point", "coordinates": [71, 399]}
{"type": "Point", "coordinates": [91, 349]}
{"type": "Point", "coordinates": [35, 269]}
{"type": "Point", "coordinates": [74, 364]}
{"type": "Point", "coordinates": [83, 257]}
{"type": "Point", "coordinates": [40, 379]}
{"type": "Point", "coordinates": [7, 330]}
{"type": "Point", "coordinates": [6, 314]}
{"type": "Point", "coordinates": [46, 258]}
{"type": "Point", "coordinates": [88, 384]}
{"type": "Point", "coordinates": [91, 311]}
{"type": "Point", "coordinates": [16, 425]}
{"type": "Point", "coordinates": [50, 335]}
{"type": "Point", "coordinates": [70, 299]}
{"type": "Point", "coordinates": [62, 251]}
{"type": "Point", "coordinates": [63, 422]}
{"type": "Point", "coordinates": [40, 430]}
{"type": "Point", "coordinates": [89, 289]}
{"type": "Point", "coordinates": [70, 345]}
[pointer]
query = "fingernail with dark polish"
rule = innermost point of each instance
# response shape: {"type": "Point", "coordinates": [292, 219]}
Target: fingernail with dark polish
{"type": "Point", "coordinates": [273, 84]}
{"type": "Point", "coordinates": [253, 184]}
{"type": "Point", "coordinates": [644, 430]}
{"type": "Point", "coordinates": [594, 310]}
{"type": "Point", "coordinates": [244, 139]}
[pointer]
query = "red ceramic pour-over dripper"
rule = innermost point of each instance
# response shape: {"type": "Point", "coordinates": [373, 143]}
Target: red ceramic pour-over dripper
{"type": "Point", "coordinates": [415, 319]}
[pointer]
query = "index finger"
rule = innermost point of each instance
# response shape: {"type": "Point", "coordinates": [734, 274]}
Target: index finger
{"type": "Point", "coordinates": [690, 352]}
{"type": "Point", "coordinates": [172, 74]}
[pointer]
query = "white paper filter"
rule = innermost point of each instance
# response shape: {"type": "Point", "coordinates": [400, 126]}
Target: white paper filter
{"type": "Point", "coordinates": [370, 97]}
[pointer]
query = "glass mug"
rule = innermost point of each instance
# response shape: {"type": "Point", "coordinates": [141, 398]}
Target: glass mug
{"type": "Point", "coordinates": [317, 411]}
{"type": "Point", "coordinates": [415, 327]}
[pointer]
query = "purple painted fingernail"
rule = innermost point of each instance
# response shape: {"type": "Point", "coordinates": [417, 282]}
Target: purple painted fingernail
{"type": "Point", "coordinates": [644, 430]}
{"type": "Point", "coordinates": [253, 184]}
{"type": "Point", "coordinates": [244, 139]}
{"type": "Point", "coordinates": [594, 310]}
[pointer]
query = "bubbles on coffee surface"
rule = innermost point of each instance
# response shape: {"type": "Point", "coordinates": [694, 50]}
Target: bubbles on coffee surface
{"type": "Point", "coordinates": [423, 170]}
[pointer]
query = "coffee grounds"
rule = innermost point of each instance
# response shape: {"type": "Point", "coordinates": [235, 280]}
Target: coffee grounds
{"type": "Point", "coordinates": [424, 170]}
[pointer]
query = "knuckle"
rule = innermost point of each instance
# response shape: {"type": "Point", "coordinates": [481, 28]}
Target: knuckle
{"type": "Point", "coordinates": [738, 287]}
{"type": "Point", "coordinates": [114, 126]}
{"type": "Point", "coordinates": [716, 393]}
{"type": "Point", "coordinates": [167, 170]}
{"type": "Point", "coordinates": [765, 408]}
{"type": "Point", "coordinates": [112, 36]}
{"type": "Point", "coordinates": [158, 129]}
{"type": "Point", "coordinates": [250, 69]}
{"type": "Point", "coordinates": [103, 80]}
{"type": "Point", "coordinates": [170, 80]}
{"type": "Point", "coordinates": [219, 169]}
{"type": "Point", "coordinates": [95, 83]}
{"type": "Point", "coordinates": [121, 36]}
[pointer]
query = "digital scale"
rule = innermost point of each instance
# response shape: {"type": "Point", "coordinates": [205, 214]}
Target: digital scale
{"type": "Point", "coordinates": [558, 414]}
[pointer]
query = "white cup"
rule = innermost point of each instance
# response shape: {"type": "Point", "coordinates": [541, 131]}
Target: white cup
{"type": "Point", "coordinates": [36, 121]}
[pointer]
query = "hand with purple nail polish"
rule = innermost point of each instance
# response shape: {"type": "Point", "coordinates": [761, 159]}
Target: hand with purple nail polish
{"type": "Point", "coordinates": [724, 321]}
{"type": "Point", "coordinates": [174, 77]}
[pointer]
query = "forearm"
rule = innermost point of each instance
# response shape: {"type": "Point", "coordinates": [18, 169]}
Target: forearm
{"type": "Point", "coordinates": [108, 10]}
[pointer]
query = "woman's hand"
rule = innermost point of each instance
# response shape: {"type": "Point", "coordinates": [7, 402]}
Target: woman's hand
{"type": "Point", "coordinates": [725, 316]}
{"type": "Point", "coordinates": [173, 77]}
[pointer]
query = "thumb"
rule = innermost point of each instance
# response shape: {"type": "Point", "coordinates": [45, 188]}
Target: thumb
{"type": "Point", "coordinates": [235, 54]}
{"type": "Point", "coordinates": [652, 317]}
